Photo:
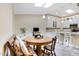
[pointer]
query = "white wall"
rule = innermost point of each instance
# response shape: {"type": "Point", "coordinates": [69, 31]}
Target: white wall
{"type": "Point", "coordinates": [5, 23]}
{"type": "Point", "coordinates": [29, 21]}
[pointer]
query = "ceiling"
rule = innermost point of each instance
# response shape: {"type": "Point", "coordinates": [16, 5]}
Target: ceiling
{"type": "Point", "coordinates": [56, 9]}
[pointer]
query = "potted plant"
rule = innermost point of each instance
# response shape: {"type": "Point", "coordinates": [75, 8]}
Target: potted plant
{"type": "Point", "coordinates": [23, 30]}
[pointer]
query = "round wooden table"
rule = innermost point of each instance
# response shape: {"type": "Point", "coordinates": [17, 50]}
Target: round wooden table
{"type": "Point", "coordinates": [38, 42]}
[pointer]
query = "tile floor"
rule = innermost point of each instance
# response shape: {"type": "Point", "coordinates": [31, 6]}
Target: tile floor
{"type": "Point", "coordinates": [62, 50]}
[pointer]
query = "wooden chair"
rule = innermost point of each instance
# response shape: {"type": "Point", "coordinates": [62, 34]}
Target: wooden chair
{"type": "Point", "coordinates": [50, 48]}
{"type": "Point", "coordinates": [25, 48]}
{"type": "Point", "coordinates": [11, 49]}
{"type": "Point", "coordinates": [15, 49]}
{"type": "Point", "coordinates": [20, 50]}
{"type": "Point", "coordinates": [30, 49]}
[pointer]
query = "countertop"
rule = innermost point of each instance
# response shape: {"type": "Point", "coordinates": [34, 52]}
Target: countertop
{"type": "Point", "coordinates": [72, 33]}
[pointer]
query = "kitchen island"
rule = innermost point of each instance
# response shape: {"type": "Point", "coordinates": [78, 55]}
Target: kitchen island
{"type": "Point", "coordinates": [71, 40]}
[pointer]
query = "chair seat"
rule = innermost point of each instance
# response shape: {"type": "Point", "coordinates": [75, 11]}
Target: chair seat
{"type": "Point", "coordinates": [31, 51]}
{"type": "Point", "coordinates": [48, 47]}
{"type": "Point", "coordinates": [19, 53]}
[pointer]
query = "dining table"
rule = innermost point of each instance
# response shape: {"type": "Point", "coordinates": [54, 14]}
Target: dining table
{"type": "Point", "coordinates": [38, 42]}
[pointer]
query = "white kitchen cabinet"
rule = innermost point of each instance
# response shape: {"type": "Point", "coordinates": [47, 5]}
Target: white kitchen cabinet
{"type": "Point", "coordinates": [51, 22]}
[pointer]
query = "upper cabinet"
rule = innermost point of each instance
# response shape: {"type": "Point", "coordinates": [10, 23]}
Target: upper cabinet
{"type": "Point", "coordinates": [55, 22]}
{"type": "Point", "coordinates": [71, 20]}
{"type": "Point", "coordinates": [52, 22]}
{"type": "Point", "coordinates": [49, 21]}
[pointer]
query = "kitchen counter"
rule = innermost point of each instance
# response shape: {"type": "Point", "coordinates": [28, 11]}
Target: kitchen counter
{"type": "Point", "coordinates": [72, 33]}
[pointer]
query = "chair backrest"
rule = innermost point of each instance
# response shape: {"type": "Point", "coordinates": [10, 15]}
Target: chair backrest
{"type": "Point", "coordinates": [11, 49]}
{"type": "Point", "coordinates": [10, 46]}
{"type": "Point", "coordinates": [13, 46]}
{"type": "Point", "coordinates": [22, 46]}
{"type": "Point", "coordinates": [53, 43]}
{"type": "Point", "coordinates": [17, 47]}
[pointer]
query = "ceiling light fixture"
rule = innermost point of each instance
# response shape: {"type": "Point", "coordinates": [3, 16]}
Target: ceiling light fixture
{"type": "Point", "coordinates": [47, 5]}
{"type": "Point", "coordinates": [62, 21]}
{"type": "Point", "coordinates": [43, 16]}
{"type": "Point", "coordinates": [39, 4]}
{"type": "Point", "coordinates": [69, 11]}
{"type": "Point", "coordinates": [56, 13]}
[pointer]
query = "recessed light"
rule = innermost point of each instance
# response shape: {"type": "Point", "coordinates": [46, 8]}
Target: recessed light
{"type": "Point", "coordinates": [69, 11]}
{"type": "Point", "coordinates": [62, 21]}
{"type": "Point", "coordinates": [47, 5]}
{"type": "Point", "coordinates": [43, 16]}
{"type": "Point", "coordinates": [56, 13]}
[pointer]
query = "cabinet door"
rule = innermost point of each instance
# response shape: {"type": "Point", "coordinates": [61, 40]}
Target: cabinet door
{"type": "Point", "coordinates": [54, 24]}
{"type": "Point", "coordinates": [66, 24]}
{"type": "Point", "coordinates": [49, 23]}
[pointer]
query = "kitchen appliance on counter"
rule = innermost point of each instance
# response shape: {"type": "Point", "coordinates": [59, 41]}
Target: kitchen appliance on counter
{"type": "Point", "coordinates": [74, 27]}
